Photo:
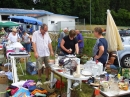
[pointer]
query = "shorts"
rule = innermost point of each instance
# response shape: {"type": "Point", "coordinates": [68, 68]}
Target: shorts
{"type": "Point", "coordinates": [40, 60]}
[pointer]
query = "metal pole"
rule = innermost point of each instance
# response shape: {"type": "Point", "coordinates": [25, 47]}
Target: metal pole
{"type": "Point", "coordinates": [84, 23]}
{"type": "Point", "coordinates": [90, 15]}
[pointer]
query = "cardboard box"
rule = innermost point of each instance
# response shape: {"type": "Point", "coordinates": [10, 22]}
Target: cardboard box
{"type": "Point", "coordinates": [3, 88]}
{"type": "Point", "coordinates": [3, 79]}
{"type": "Point", "coordinates": [6, 68]}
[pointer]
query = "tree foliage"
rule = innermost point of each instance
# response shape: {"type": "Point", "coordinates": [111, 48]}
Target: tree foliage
{"type": "Point", "coordinates": [120, 9]}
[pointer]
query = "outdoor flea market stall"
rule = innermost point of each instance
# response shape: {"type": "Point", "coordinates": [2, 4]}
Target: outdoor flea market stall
{"type": "Point", "coordinates": [92, 72]}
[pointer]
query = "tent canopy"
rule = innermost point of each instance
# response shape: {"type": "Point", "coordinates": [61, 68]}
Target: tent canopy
{"type": "Point", "coordinates": [8, 24]}
{"type": "Point", "coordinates": [25, 19]}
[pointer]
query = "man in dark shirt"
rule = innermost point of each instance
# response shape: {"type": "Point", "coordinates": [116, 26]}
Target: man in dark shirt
{"type": "Point", "coordinates": [69, 43]}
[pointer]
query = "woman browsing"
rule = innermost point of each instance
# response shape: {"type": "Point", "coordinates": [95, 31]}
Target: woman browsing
{"type": "Point", "coordinates": [69, 43]}
{"type": "Point", "coordinates": [101, 46]}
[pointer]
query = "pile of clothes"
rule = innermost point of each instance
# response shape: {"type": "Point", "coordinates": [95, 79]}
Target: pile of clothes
{"type": "Point", "coordinates": [26, 89]}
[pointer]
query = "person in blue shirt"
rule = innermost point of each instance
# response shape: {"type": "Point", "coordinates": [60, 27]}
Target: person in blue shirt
{"type": "Point", "coordinates": [31, 30]}
{"type": "Point", "coordinates": [80, 41]}
{"type": "Point", "coordinates": [101, 46]}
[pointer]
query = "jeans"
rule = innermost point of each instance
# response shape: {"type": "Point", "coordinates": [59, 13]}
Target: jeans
{"type": "Point", "coordinates": [113, 67]}
{"type": "Point", "coordinates": [80, 50]}
{"type": "Point", "coordinates": [27, 46]}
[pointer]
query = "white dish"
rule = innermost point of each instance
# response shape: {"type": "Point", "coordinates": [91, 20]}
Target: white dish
{"type": "Point", "coordinates": [70, 56]}
{"type": "Point", "coordinates": [86, 73]}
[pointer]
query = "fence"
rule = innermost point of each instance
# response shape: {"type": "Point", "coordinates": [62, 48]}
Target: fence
{"type": "Point", "coordinates": [54, 35]}
{"type": "Point", "coordinates": [80, 24]}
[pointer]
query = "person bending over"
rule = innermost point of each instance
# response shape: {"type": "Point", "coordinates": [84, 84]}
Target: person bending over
{"type": "Point", "coordinates": [69, 43]}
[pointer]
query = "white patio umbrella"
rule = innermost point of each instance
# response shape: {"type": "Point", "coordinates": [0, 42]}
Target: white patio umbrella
{"type": "Point", "coordinates": [112, 35]}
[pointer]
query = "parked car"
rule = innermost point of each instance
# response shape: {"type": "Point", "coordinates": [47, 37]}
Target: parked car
{"type": "Point", "coordinates": [128, 32]}
{"type": "Point", "coordinates": [123, 32]}
{"type": "Point", "coordinates": [124, 55]}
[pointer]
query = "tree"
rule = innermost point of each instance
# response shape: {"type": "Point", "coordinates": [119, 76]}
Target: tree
{"type": "Point", "coordinates": [120, 9]}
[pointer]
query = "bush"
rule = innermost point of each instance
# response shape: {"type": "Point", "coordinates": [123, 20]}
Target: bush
{"type": "Point", "coordinates": [88, 46]}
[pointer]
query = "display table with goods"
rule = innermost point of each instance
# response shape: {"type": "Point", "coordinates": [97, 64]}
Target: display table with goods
{"type": "Point", "coordinates": [15, 51]}
{"type": "Point", "coordinates": [111, 85]}
{"type": "Point", "coordinates": [69, 67]}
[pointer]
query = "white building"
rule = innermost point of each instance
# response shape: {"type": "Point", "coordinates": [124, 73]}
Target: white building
{"type": "Point", "coordinates": [55, 22]}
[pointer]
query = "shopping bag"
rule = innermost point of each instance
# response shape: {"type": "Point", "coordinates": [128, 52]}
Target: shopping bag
{"type": "Point", "coordinates": [31, 68]}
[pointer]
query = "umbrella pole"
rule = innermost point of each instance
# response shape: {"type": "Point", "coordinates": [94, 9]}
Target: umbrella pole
{"type": "Point", "coordinates": [118, 59]}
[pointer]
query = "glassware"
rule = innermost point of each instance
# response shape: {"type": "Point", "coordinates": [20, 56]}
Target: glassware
{"type": "Point", "coordinates": [114, 88]}
{"type": "Point", "coordinates": [111, 80]}
{"type": "Point", "coordinates": [95, 70]}
{"type": "Point", "coordinates": [126, 81]}
{"type": "Point", "coordinates": [105, 86]}
{"type": "Point", "coordinates": [97, 80]}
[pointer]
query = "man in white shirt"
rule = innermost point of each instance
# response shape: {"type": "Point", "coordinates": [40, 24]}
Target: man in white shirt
{"type": "Point", "coordinates": [42, 49]}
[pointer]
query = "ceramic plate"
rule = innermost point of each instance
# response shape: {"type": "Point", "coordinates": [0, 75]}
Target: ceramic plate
{"type": "Point", "coordinates": [86, 73]}
{"type": "Point", "coordinates": [70, 56]}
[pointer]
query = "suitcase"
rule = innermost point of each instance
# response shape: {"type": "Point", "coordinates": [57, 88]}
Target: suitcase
{"type": "Point", "coordinates": [31, 68]}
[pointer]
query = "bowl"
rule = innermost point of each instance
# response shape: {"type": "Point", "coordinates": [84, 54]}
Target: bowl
{"type": "Point", "coordinates": [51, 61]}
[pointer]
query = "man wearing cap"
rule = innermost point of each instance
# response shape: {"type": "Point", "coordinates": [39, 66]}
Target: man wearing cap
{"type": "Point", "coordinates": [42, 50]}
{"type": "Point", "coordinates": [14, 36]}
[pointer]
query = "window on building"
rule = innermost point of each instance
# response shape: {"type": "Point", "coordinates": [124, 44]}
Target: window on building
{"type": "Point", "coordinates": [4, 17]}
{"type": "Point", "coordinates": [52, 22]}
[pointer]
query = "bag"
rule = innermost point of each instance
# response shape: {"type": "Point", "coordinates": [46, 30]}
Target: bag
{"type": "Point", "coordinates": [59, 84]}
{"type": "Point", "coordinates": [31, 68]}
{"type": "Point", "coordinates": [64, 61]}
